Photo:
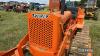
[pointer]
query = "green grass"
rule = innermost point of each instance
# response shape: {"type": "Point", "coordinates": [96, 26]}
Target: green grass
{"type": "Point", "coordinates": [13, 26]}
{"type": "Point", "coordinates": [95, 34]}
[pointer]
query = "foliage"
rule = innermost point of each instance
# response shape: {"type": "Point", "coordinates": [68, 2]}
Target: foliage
{"type": "Point", "coordinates": [83, 1]}
{"type": "Point", "coordinates": [98, 3]}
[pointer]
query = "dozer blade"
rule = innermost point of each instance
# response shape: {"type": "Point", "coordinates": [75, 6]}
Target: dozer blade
{"type": "Point", "coordinates": [8, 53]}
{"type": "Point", "coordinates": [18, 50]}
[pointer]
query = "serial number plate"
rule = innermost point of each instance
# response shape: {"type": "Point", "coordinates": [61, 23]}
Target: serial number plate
{"type": "Point", "coordinates": [40, 15]}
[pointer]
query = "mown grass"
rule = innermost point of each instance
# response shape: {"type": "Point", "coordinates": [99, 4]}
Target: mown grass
{"type": "Point", "coordinates": [13, 26]}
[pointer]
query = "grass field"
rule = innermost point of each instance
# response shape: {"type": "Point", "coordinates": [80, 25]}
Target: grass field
{"type": "Point", "coordinates": [95, 36]}
{"type": "Point", "coordinates": [13, 26]}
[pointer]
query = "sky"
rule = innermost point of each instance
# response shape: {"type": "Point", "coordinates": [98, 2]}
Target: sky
{"type": "Point", "coordinates": [40, 1]}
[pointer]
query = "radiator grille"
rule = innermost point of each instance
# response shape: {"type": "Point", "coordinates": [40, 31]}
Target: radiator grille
{"type": "Point", "coordinates": [41, 32]}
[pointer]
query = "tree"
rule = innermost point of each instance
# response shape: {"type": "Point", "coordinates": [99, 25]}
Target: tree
{"type": "Point", "coordinates": [83, 1]}
{"type": "Point", "coordinates": [98, 3]}
{"type": "Point", "coordinates": [76, 3]}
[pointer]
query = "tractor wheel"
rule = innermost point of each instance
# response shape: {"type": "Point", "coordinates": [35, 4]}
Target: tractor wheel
{"type": "Point", "coordinates": [81, 43]}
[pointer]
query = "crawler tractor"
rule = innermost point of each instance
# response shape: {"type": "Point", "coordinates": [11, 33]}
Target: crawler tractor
{"type": "Point", "coordinates": [54, 33]}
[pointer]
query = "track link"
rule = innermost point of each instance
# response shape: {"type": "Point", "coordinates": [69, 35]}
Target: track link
{"type": "Point", "coordinates": [81, 43]}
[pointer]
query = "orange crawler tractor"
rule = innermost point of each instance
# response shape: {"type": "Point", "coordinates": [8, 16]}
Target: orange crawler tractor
{"type": "Point", "coordinates": [50, 33]}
